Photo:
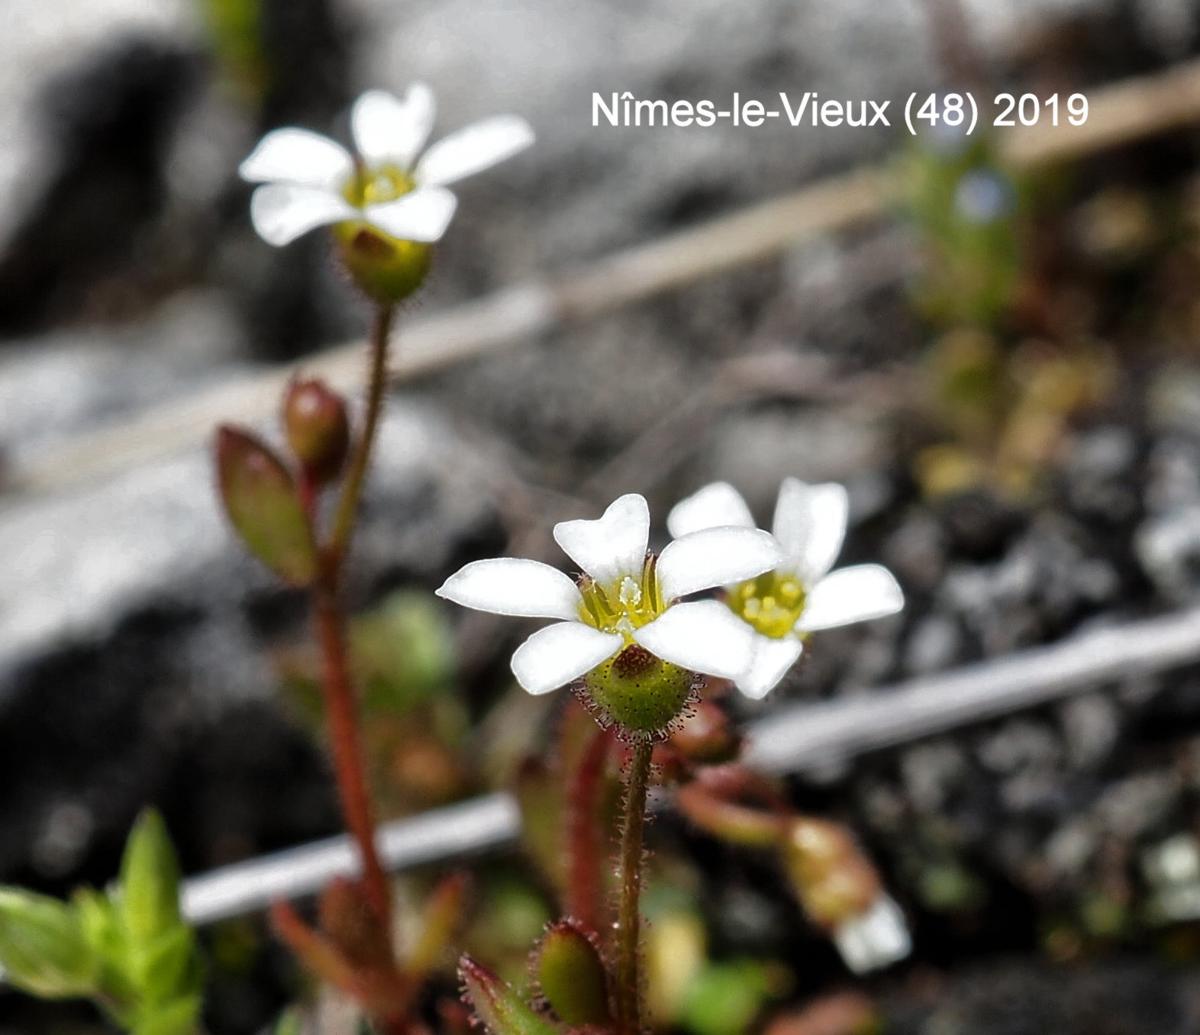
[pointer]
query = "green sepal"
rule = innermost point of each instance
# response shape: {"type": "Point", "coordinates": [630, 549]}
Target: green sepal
{"type": "Point", "coordinates": [571, 975]}
{"type": "Point", "coordinates": [496, 1005]}
{"type": "Point", "coordinates": [263, 505]}
{"type": "Point", "coordinates": [389, 270]}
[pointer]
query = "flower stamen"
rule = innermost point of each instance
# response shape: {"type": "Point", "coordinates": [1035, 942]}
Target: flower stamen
{"type": "Point", "coordinates": [772, 603]}
{"type": "Point", "coordinates": [624, 605]}
{"type": "Point", "coordinates": [377, 185]}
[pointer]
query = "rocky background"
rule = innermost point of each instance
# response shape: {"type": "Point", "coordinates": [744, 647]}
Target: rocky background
{"type": "Point", "coordinates": [139, 648]}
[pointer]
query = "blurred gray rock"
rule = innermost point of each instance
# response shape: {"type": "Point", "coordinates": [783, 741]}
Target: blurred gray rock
{"type": "Point", "coordinates": [155, 538]}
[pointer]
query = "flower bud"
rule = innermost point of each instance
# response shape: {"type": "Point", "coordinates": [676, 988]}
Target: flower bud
{"type": "Point", "coordinates": [640, 692]}
{"type": "Point", "coordinates": [832, 878]}
{"type": "Point", "coordinates": [260, 499]}
{"type": "Point", "coordinates": [841, 891]}
{"type": "Point", "coordinates": [386, 268]}
{"type": "Point", "coordinates": [875, 938]}
{"type": "Point", "coordinates": [571, 975]}
{"type": "Point", "coordinates": [317, 427]}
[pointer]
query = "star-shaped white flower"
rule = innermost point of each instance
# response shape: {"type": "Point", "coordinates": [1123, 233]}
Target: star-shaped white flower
{"type": "Point", "coordinates": [309, 180]}
{"type": "Point", "coordinates": [625, 596]}
{"type": "Point", "coordinates": [801, 595]}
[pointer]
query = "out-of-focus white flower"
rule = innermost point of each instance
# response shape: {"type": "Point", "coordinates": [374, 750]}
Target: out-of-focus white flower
{"type": "Point", "coordinates": [874, 939]}
{"type": "Point", "coordinates": [800, 595]}
{"type": "Point", "coordinates": [309, 180]}
{"type": "Point", "coordinates": [626, 596]}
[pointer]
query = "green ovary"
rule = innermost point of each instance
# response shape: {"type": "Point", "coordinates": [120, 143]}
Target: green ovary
{"type": "Point", "coordinates": [385, 267]}
{"type": "Point", "coordinates": [624, 605]}
{"type": "Point", "coordinates": [771, 603]}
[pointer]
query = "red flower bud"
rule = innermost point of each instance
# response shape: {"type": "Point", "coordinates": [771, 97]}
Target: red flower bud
{"type": "Point", "coordinates": [317, 427]}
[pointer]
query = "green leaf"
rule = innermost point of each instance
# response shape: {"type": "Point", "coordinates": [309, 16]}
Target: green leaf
{"type": "Point", "coordinates": [572, 975]}
{"type": "Point", "coordinates": [725, 998]}
{"type": "Point", "coordinates": [149, 882]}
{"type": "Point", "coordinates": [43, 950]}
{"type": "Point", "coordinates": [291, 1022]}
{"type": "Point", "coordinates": [496, 1005]}
{"type": "Point", "coordinates": [175, 1018]}
{"type": "Point", "coordinates": [168, 966]}
{"type": "Point", "coordinates": [260, 498]}
{"type": "Point", "coordinates": [103, 932]}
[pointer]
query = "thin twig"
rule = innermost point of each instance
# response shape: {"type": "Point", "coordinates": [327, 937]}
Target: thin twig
{"type": "Point", "coordinates": [805, 739]}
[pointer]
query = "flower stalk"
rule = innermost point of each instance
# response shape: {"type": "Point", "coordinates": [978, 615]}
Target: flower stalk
{"type": "Point", "coordinates": [347, 509]}
{"type": "Point", "coordinates": [628, 986]}
{"type": "Point", "coordinates": [341, 701]}
{"type": "Point", "coordinates": [345, 741]}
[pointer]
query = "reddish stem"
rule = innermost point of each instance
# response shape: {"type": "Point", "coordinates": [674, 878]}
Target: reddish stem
{"type": "Point", "coordinates": [345, 740]}
{"type": "Point", "coordinates": [341, 702]}
{"type": "Point", "coordinates": [585, 847]}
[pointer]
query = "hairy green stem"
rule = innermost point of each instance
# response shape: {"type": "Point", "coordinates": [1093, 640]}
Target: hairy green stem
{"type": "Point", "coordinates": [629, 991]}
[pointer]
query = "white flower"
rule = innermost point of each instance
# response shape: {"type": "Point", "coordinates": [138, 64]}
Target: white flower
{"type": "Point", "coordinates": [626, 596]}
{"type": "Point", "coordinates": [874, 939]}
{"type": "Point", "coordinates": [801, 595]}
{"type": "Point", "coordinates": [311, 181]}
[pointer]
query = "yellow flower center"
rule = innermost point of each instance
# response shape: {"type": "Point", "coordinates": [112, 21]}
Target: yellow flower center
{"type": "Point", "coordinates": [625, 604]}
{"type": "Point", "coordinates": [375, 186]}
{"type": "Point", "coordinates": [771, 603]}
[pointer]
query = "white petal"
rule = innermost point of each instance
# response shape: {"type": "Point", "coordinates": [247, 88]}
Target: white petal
{"type": "Point", "coordinates": [714, 557]}
{"type": "Point", "coordinates": [473, 149]}
{"type": "Point", "coordinates": [713, 506]}
{"type": "Point", "coordinates": [513, 586]}
{"type": "Point", "coordinates": [772, 660]}
{"type": "Point", "coordinates": [298, 156]}
{"type": "Point", "coordinates": [851, 595]}
{"type": "Point", "coordinates": [281, 212]}
{"type": "Point", "coordinates": [553, 656]}
{"type": "Point", "coordinates": [612, 545]}
{"type": "Point", "coordinates": [704, 636]}
{"type": "Point", "coordinates": [422, 215]}
{"type": "Point", "coordinates": [390, 131]}
{"type": "Point", "coordinates": [875, 939]}
{"type": "Point", "coordinates": [810, 524]}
